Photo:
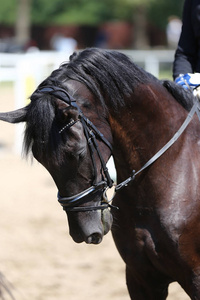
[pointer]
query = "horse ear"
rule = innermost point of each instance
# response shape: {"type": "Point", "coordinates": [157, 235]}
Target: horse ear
{"type": "Point", "coordinates": [15, 116]}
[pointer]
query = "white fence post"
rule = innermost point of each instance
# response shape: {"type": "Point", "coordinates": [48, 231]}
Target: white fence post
{"type": "Point", "coordinates": [151, 65]}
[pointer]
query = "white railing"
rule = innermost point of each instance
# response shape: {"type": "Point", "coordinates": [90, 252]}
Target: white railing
{"type": "Point", "coordinates": [39, 63]}
{"type": "Point", "coordinates": [151, 60]}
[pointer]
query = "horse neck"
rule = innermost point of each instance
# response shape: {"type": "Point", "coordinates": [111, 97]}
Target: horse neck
{"type": "Point", "coordinates": [144, 126]}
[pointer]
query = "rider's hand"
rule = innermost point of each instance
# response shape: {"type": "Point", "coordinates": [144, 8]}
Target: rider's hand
{"type": "Point", "coordinates": [189, 80]}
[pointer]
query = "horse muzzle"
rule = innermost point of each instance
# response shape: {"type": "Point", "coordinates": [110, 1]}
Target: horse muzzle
{"type": "Point", "coordinates": [88, 213]}
{"type": "Point", "coordinates": [89, 227]}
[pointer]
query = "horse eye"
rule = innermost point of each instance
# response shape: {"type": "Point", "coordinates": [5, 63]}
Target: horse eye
{"type": "Point", "coordinates": [87, 105]}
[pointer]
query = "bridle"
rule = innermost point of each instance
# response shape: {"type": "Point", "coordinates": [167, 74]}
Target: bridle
{"type": "Point", "coordinates": [92, 134]}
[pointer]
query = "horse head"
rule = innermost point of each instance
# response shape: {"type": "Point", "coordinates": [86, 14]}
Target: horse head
{"type": "Point", "coordinates": [74, 152]}
{"type": "Point", "coordinates": [65, 120]}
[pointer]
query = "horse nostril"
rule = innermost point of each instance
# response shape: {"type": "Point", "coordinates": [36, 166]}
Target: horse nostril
{"type": "Point", "coordinates": [94, 238]}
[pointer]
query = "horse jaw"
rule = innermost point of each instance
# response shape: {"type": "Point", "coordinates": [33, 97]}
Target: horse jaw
{"type": "Point", "coordinates": [15, 116]}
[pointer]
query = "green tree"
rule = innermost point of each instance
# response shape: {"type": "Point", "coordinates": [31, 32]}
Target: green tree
{"type": "Point", "coordinates": [94, 12]}
{"type": "Point", "coordinates": [8, 12]}
{"type": "Point", "coordinates": [81, 12]}
{"type": "Point", "coordinates": [17, 13]}
{"type": "Point", "coordinates": [154, 11]}
{"type": "Point", "coordinates": [159, 11]}
{"type": "Point", "coordinates": [23, 21]}
{"type": "Point", "coordinates": [88, 12]}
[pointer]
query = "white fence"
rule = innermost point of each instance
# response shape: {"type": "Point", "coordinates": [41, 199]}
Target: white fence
{"type": "Point", "coordinates": [15, 66]}
{"type": "Point", "coordinates": [28, 70]}
{"type": "Point", "coordinates": [151, 60]}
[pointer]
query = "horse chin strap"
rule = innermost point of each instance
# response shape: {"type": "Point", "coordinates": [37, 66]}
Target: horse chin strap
{"type": "Point", "coordinates": [70, 203]}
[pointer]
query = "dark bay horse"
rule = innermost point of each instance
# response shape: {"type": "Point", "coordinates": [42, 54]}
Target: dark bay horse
{"type": "Point", "coordinates": [100, 103]}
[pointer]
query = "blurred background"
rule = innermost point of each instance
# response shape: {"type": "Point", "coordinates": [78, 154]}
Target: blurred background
{"type": "Point", "coordinates": [115, 24]}
{"type": "Point", "coordinates": [38, 259]}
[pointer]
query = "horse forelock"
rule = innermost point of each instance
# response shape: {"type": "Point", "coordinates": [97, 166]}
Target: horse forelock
{"type": "Point", "coordinates": [41, 127]}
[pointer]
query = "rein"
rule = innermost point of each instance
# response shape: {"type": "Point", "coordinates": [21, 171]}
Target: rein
{"type": "Point", "coordinates": [92, 134]}
{"type": "Point", "coordinates": [194, 109]}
